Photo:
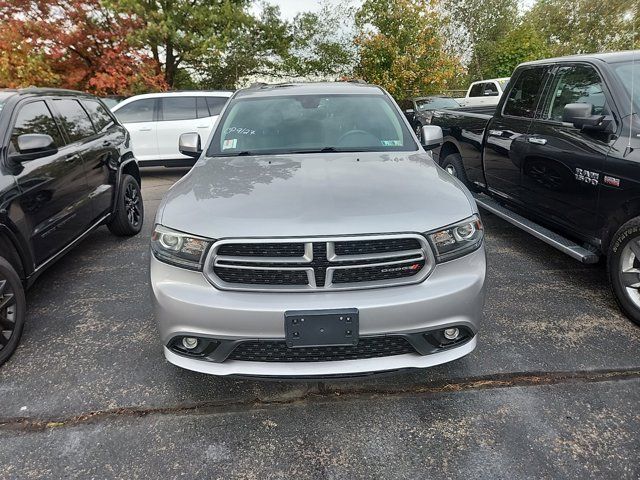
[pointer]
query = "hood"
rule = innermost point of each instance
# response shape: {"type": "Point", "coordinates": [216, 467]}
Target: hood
{"type": "Point", "coordinates": [314, 195]}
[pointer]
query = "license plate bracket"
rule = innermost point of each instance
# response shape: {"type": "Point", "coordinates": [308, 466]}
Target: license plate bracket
{"type": "Point", "coordinates": [321, 328]}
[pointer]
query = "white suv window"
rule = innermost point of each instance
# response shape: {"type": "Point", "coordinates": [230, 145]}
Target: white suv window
{"type": "Point", "coordinates": [138, 111]}
{"type": "Point", "coordinates": [179, 108]}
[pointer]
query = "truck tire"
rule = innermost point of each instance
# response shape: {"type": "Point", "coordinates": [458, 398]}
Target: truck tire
{"type": "Point", "coordinates": [129, 215]}
{"type": "Point", "coordinates": [452, 163]}
{"type": "Point", "coordinates": [623, 267]}
{"type": "Point", "coordinates": [13, 310]}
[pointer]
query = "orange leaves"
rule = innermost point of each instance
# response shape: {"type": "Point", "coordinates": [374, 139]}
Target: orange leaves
{"type": "Point", "coordinates": [74, 44]}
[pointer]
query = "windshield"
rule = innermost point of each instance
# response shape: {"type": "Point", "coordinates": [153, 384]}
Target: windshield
{"type": "Point", "coordinates": [436, 103]}
{"type": "Point", "coordinates": [628, 72]}
{"type": "Point", "coordinates": [310, 123]}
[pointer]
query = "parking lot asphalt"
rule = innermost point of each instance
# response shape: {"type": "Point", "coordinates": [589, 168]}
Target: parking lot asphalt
{"type": "Point", "coordinates": [552, 391]}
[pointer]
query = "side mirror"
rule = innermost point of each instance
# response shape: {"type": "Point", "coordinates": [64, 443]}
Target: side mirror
{"type": "Point", "coordinates": [32, 146]}
{"type": "Point", "coordinates": [579, 114]}
{"type": "Point", "coordinates": [189, 144]}
{"type": "Point", "coordinates": [409, 111]}
{"type": "Point", "coordinates": [490, 93]}
{"type": "Point", "coordinates": [431, 137]}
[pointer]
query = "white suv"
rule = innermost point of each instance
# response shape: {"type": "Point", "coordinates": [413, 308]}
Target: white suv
{"type": "Point", "coordinates": [156, 121]}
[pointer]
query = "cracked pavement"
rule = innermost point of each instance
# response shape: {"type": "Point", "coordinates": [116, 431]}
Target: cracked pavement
{"type": "Point", "coordinates": [552, 391]}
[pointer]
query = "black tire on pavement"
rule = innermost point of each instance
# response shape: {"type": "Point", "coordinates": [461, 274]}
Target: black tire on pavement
{"type": "Point", "coordinates": [452, 163]}
{"type": "Point", "coordinates": [623, 267]}
{"type": "Point", "coordinates": [129, 216]}
{"type": "Point", "coordinates": [13, 310]}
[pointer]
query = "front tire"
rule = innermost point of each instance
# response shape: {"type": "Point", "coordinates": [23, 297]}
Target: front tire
{"type": "Point", "coordinates": [453, 165]}
{"type": "Point", "coordinates": [623, 266]}
{"type": "Point", "coordinates": [129, 215]}
{"type": "Point", "coordinates": [13, 310]}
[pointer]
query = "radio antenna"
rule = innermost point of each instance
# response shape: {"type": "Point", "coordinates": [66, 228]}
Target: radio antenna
{"type": "Point", "coordinates": [633, 71]}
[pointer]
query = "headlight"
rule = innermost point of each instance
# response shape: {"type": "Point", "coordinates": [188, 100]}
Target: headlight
{"type": "Point", "coordinates": [179, 249]}
{"type": "Point", "coordinates": [457, 240]}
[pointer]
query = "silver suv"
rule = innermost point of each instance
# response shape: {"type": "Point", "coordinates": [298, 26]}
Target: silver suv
{"type": "Point", "coordinates": [316, 237]}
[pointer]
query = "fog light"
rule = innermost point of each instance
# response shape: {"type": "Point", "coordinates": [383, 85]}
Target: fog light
{"type": "Point", "coordinates": [190, 343]}
{"type": "Point", "coordinates": [451, 333]}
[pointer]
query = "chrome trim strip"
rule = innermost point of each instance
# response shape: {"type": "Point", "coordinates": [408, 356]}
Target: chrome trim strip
{"type": "Point", "coordinates": [425, 253]}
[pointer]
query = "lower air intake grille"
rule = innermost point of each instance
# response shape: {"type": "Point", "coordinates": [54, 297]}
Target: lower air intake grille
{"type": "Point", "coordinates": [277, 351]}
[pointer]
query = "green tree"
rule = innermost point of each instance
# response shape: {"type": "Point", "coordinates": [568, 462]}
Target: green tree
{"type": "Point", "coordinates": [401, 47]}
{"type": "Point", "coordinates": [585, 26]}
{"type": "Point", "coordinates": [522, 44]}
{"type": "Point", "coordinates": [180, 33]}
{"type": "Point", "coordinates": [474, 27]}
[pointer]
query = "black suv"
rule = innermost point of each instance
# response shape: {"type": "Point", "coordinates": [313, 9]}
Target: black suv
{"type": "Point", "coordinates": [66, 168]}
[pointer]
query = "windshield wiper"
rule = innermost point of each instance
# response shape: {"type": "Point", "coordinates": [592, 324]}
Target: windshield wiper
{"type": "Point", "coordinates": [317, 150]}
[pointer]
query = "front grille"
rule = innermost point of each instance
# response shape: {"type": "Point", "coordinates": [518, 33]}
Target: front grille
{"type": "Point", "coordinates": [376, 246]}
{"type": "Point", "coordinates": [319, 264]}
{"type": "Point", "coordinates": [262, 249]}
{"type": "Point", "coordinates": [277, 351]}
{"type": "Point", "coordinates": [372, 274]}
{"type": "Point", "coordinates": [251, 276]}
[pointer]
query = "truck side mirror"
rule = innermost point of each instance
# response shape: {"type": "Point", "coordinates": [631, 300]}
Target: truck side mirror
{"type": "Point", "coordinates": [31, 146]}
{"type": "Point", "coordinates": [579, 114]}
{"type": "Point", "coordinates": [431, 137]}
{"type": "Point", "coordinates": [189, 144]}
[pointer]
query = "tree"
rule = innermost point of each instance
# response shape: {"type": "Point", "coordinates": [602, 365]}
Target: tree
{"type": "Point", "coordinates": [585, 26]}
{"type": "Point", "coordinates": [521, 44]}
{"type": "Point", "coordinates": [401, 48]}
{"type": "Point", "coordinates": [181, 33]}
{"type": "Point", "coordinates": [21, 62]}
{"type": "Point", "coordinates": [77, 44]}
{"type": "Point", "coordinates": [474, 29]}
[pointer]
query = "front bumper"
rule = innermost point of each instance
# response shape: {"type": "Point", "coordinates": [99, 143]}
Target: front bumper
{"type": "Point", "coordinates": [185, 303]}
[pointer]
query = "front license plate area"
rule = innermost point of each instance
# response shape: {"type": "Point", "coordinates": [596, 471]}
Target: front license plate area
{"type": "Point", "coordinates": [321, 328]}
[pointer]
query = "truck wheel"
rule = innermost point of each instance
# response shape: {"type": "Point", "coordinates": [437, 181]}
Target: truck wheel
{"type": "Point", "coordinates": [452, 163]}
{"type": "Point", "coordinates": [13, 309]}
{"type": "Point", "coordinates": [129, 209]}
{"type": "Point", "coordinates": [623, 265]}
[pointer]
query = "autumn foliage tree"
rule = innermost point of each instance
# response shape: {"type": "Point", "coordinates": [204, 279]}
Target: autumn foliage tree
{"type": "Point", "coordinates": [75, 44]}
{"type": "Point", "coordinates": [400, 47]}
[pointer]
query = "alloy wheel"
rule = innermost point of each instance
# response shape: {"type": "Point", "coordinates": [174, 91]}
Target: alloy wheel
{"type": "Point", "coordinates": [7, 311]}
{"type": "Point", "coordinates": [132, 201]}
{"type": "Point", "coordinates": [629, 271]}
{"type": "Point", "coordinates": [451, 170]}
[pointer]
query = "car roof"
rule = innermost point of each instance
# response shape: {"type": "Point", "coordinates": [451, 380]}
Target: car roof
{"type": "Point", "coordinates": [194, 93]}
{"type": "Point", "coordinates": [429, 97]}
{"type": "Point", "coordinates": [610, 57]}
{"type": "Point", "coordinates": [43, 91]}
{"type": "Point", "coordinates": [308, 88]}
{"type": "Point", "coordinates": [501, 79]}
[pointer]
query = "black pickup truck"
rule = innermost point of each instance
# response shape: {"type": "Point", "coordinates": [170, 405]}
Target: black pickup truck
{"type": "Point", "coordinates": [560, 158]}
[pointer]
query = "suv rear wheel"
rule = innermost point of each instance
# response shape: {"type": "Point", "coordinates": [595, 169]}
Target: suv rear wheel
{"type": "Point", "coordinates": [623, 265]}
{"type": "Point", "coordinates": [12, 310]}
{"type": "Point", "coordinates": [129, 209]}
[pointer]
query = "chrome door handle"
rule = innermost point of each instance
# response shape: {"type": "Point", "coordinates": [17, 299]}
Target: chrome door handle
{"type": "Point", "coordinates": [145, 129]}
{"type": "Point", "coordinates": [537, 141]}
{"type": "Point", "coordinates": [496, 133]}
{"type": "Point", "coordinates": [72, 157]}
{"type": "Point", "coordinates": [202, 126]}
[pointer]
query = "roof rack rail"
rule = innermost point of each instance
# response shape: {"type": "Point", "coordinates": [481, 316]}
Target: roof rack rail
{"type": "Point", "coordinates": [258, 85]}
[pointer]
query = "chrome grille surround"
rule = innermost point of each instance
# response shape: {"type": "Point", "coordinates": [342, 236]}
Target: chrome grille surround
{"type": "Point", "coordinates": [333, 262]}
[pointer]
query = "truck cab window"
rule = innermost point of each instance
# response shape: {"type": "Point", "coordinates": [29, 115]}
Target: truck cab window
{"type": "Point", "coordinates": [575, 84]}
{"type": "Point", "coordinates": [476, 90]}
{"type": "Point", "coordinates": [523, 97]}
